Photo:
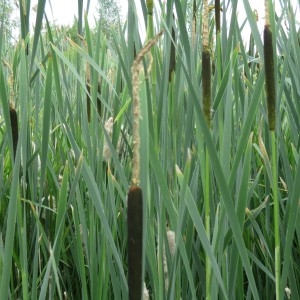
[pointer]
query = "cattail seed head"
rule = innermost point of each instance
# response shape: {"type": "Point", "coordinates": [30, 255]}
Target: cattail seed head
{"type": "Point", "coordinates": [135, 242]}
{"type": "Point", "coordinates": [270, 77]}
{"type": "Point", "coordinates": [14, 127]}
{"type": "Point", "coordinates": [172, 51]}
{"type": "Point", "coordinates": [194, 23]}
{"type": "Point", "coordinates": [218, 15]}
{"type": "Point", "coordinates": [206, 84]}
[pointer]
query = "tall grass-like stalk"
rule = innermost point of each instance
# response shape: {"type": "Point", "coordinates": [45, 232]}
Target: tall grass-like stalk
{"type": "Point", "coordinates": [206, 92]}
{"type": "Point", "coordinates": [270, 87]}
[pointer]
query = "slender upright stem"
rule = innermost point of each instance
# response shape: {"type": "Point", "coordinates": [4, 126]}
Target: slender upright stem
{"type": "Point", "coordinates": [276, 215]}
{"type": "Point", "coordinates": [206, 93]}
{"type": "Point", "coordinates": [207, 220]}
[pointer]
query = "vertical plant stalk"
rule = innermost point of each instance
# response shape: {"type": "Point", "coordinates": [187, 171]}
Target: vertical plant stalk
{"type": "Point", "coordinates": [150, 27]}
{"type": "Point", "coordinates": [87, 83]}
{"type": "Point", "coordinates": [135, 196]}
{"type": "Point", "coordinates": [206, 93]}
{"type": "Point", "coordinates": [251, 41]}
{"type": "Point", "coordinates": [24, 20]}
{"type": "Point", "coordinates": [271, 106]}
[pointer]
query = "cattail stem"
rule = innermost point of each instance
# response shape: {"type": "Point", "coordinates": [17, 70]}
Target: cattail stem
{"type": "Point", "coordinates": [150, 26]}
{"type": "Point", "coordinates": [276, 217]}
{"type": "Point", "coordinates": [207, 220]}
{"type": "Point", "coordinates": [206, 92]}
{"type": "Point", "coordinates": [14, 128]}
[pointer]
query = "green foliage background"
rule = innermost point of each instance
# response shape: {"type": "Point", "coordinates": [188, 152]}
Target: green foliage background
{"type": "Point", "coordinates": [63, 229]}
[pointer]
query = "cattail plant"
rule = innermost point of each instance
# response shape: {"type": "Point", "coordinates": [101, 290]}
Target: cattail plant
{"type": "Point", "coordinates": [270, 88]}
{"type": "Point", "coordinates": [14, 127]}
{"type": "Point", "coordinates": [12, 111]}
{"type": "Point", "coordinates": [135, 241]}
{"type": "Point", "coordinates": [194, 23]}
{"type": "Point", "coordinates": [135, 196]}
{"type": "Point", "coordinates": [172, 50]}
{"type": "Point", "coordinates": [206, 93]}
{"type": "Point", "coordinates": [206, 66]}
{"type": "Point", "coordinates": [269, 71]}
{"type": "Point", "coordinates": [218, 15]}
{"type": "Point", "coordinates": [88, 87]}
{"type": "Point", "coordinates": [88, 98]}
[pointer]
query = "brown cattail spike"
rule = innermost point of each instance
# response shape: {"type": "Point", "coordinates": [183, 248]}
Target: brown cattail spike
{"type": "Point", "coordinates": [135, 242]}
{"type": "Point", "coordinates": [172, 52]}
{"type": "Point", "coordinates": [218, 15]}
{"type": "Point", "coordinates": [270, 77]}
{"type": "Point", "coordinates": [194, 23]}
{"type": "Point", "coordinates": [206, 83]}
{"type": "Point", "coordinates": [14, 127]}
